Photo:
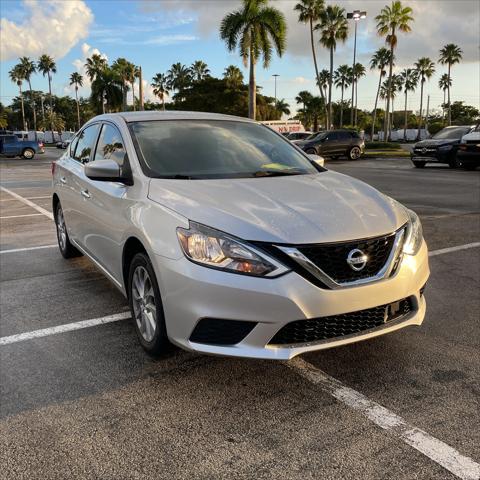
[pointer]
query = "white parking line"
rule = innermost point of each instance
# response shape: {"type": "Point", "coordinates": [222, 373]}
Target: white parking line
{"type": "Point", "coordinates": [442, 251]}
{"type": "Point", "coordinates": [28, 202]}
{"type": "Point", "coordinates": [20, 216]}
{"type": "Point", "coordinates": [26, 198]}
{"type": "Point", "coordinates": [68, 327]}
{"type": "Point", "coordinates": [26, 249]}
{"type": "Point", "coordinates": [441, 453]}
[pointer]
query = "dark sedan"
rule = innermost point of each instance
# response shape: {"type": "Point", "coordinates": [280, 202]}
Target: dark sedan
{"type": "Point", "coordinates": [441, 148]}
{"type": "Point", "coordinates": [334, 144]}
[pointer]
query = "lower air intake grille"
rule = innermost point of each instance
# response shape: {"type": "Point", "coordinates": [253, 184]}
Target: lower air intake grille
{"type": "Point", "coordinates": [215, 331]}
{"type": "Point", "coordinates": [316, 329]}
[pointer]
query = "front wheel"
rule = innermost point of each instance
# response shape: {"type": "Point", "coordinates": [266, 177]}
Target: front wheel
{"type": "Point", "coordinates": [28, 153]}
{"type": "Point", "coordinates": [419, 164]}
{"type": "Point", "coordinates": [354, 153]}
{"type": "Point", "coordinates": [146, 306]}
{"type": "Point", "coordinates": [66, 248]}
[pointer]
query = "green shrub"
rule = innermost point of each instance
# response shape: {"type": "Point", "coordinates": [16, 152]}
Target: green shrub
{"type": "Point", "coordinates": [382, 146]}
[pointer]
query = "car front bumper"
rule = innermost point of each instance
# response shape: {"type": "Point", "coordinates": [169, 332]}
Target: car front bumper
{"type": "Point", "coordinates": [440, 156]}
{"type": "Point", "coordinates": [191, 292]}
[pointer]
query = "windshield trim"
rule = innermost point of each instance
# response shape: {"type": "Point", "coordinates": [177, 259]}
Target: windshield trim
{"type": "Point", "coordinates": [462, 131]}
{"type": "Point", "coordinates": [148, 172]}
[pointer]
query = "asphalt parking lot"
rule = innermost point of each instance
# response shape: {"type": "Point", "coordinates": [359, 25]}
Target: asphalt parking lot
{"type": "Point", "coordinates": [90, 403]}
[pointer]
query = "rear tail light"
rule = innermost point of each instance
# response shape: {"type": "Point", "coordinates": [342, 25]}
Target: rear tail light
{"type": "Point", "coordinates": [40, 144]}
{"type": "Point", "coordinates": [54, 164]}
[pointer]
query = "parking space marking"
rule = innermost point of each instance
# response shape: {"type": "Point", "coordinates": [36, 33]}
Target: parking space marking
{"type": "Point", "coordinates": [26, 249]}
{"type": "Point", "coordinates": [28, 202]}
{"type": "Point", "coordinates": [438, 451]}
{"type": "Point", "coordinates": [20, 216]}
{"type": "Point", "coordinates": [442, 251]}
{"type": "Point", "coordinates": [26, 198]}
{"type": "Point", "coordinates": [68, 327]}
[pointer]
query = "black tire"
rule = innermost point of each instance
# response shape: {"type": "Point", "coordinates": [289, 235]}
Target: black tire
{"type": "Point", "coordinates": [311, 151]}
{"type": "Point", "coordinates": [153, 339]}
{"type": "Point", "coordinates": [453, 163]}
{"type": "Point", "coordinates": [419, 164]}
{"type": "Point", "coordinates": [66, 248]}
{"type": "Point", "coordinates": [28, 153]}
{"type": "Point", "coordinates": [354, 153]}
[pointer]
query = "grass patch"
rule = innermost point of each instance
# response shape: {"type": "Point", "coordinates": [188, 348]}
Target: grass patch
{"type": "Point", "coordinates": [386, 153]}
{"type": "Point", "coordinates": [383, 146]}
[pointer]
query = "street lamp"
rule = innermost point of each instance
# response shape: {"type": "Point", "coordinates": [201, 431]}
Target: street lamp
{"type": "Point", "coordinates": [355, 15]}
{"type": "Point", "coordinates": [275, 75]}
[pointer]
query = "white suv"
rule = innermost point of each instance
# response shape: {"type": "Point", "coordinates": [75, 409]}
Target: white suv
{"type": "Point", "coordinates": [227, 239]}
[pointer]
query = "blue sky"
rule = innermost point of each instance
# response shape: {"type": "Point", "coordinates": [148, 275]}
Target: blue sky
{"type": "Point", "coordinates": [155, 34]}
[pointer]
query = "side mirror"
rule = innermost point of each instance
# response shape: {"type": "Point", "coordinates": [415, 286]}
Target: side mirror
{"type": "Point", "coordinates": [316, 159]}
{"type": "Point", "coordinates": [106, 171]}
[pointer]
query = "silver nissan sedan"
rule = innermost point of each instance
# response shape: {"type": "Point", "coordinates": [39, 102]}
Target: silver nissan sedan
{"type": "Point", "coordinates": [227, 239]}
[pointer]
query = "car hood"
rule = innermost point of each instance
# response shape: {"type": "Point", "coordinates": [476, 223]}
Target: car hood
{"type": "Point", "coordinates": [431, 142]}
{"type": "Point", "coordinates": [324, 207]}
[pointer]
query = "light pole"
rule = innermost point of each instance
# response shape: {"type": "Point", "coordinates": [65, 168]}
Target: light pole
{"type": "Point", "coordinates": [356, 15]}
{"type": "Point", "coordinates": [275, 75]}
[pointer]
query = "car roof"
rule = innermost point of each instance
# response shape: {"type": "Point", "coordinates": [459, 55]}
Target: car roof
{"type": "Point", "coordinates": [144, 116]}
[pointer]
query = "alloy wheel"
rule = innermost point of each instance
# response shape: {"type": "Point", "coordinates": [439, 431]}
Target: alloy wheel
{"type": "Point", "coordinates": [143, 300]}
{"type": "Point", "coordinates": [61, 229]}
{"type": "Point", "coordinates": [355, 153]}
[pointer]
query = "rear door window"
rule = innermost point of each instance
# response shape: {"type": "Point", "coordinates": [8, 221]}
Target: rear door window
{"type": "Point", "coordinates": [85, 143]}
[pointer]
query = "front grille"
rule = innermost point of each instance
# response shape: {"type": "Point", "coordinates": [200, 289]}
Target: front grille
{"type": "Point", "coordinates": [332, 257]}
{"type": "Point", "coordinates": [335, 326]}
{"type": "Point", "coordinates": [215, 331]}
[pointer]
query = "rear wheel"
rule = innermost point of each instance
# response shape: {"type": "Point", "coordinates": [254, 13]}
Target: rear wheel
{"type": "Point", "coordinates": [419, 164]}
{"type": "Point", "coordinates": [453, 163]}
{"type": "Point", "coordinates": [66, 248]}
{"type": "Point", "coordinates": [28, 153]}
{"type": "Point", "coordinates": [354, 153]}
{"type": "Point", "coordinates": [146, 306]}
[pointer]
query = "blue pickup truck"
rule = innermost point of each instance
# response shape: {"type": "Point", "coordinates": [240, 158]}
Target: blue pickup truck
{"type": "Point", "coordinates": [12, 146]}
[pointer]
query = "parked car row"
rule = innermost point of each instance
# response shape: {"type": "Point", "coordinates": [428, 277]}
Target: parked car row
{"type": "Point", "coordinates": [457, 146]}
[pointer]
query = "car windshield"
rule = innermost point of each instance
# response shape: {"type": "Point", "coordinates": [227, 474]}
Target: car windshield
{"type": "Point", "coordinates": [315, 135]}
{"type": "Point", "coordinates": [203, 149]}
{"type": "Point", "coordinates": [451, 133]}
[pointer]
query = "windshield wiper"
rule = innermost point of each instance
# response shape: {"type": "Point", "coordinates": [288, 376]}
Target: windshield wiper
{"type": "Point", "coordinates": [177, 177]}
{"type": "Point", "coordinates": [276, 173]}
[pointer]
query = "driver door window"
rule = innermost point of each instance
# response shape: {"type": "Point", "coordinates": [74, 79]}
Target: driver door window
{"type": "Point", "coordinates": [85, 144]}
{"type": "Point", "coordinates": [110, 145]}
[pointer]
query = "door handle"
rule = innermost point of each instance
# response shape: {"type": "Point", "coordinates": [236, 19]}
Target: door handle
{"type": "Point", "coordinates": [63, 180]}
{"type": "Point", "coordinates": [85, 194]}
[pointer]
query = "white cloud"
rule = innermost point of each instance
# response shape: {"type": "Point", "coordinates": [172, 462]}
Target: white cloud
{"type": "Point", "coordinates": [50, 26]}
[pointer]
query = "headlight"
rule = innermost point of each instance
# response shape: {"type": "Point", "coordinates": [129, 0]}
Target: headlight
{"type": "Point", "coordinates": [414, 234]}
{"type": "Point", "coordinates": [211, 248]}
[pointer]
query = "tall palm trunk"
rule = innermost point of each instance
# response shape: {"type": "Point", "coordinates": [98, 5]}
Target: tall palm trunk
{"type": "Point", "coordinates": [78, 106]}
{"type": "Point", "coordinates": [376, 103]}
{"type": "Point", "coordinates": [341, 108]}
{"type": "Point", "coordinates": [133, 95]}
{"type": "Point", "coordinates": [421, 110]}
{"type": "Point", "coordinates": [405, 118]}
{"type": "Point", "coordinates": [163, 101]}
{"type": "Point", "coordinates": [51, 101]}
{"type": "Point", "coordinates": [317, 76]}
{"type": "Point", "coordinates": [449, 105]}
{"type": "Point", "coordinates": [33, 108]}
{"type": "Point", "coordinates": [330, 81]}
{"type": "Point", "coordinates": [252, 93]}
{"type": "Point", "coordinates": [443, 106]}
{"type": "Point", "coordinates": [23, 108]}
{"type": "Point", "coordinates": [390, 71]}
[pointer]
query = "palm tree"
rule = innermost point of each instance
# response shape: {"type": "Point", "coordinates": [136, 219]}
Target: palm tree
{"type": "Point", "coordinates": [303, 97]}
{"type": "Point", "coordinates": [27, 69]}
{"type": "Point", "coordinates": [199, 70]}
{"type": "Point", "coordinates": [234, 76]}
{"type": "Point", "coordinates": [123, 69]}
{"type": "Point", "coordinates": [443, 84]}
{"type": "Point", "coordinates": [107, 86]}
{"type": "Point", "coordinates": [342, 77]}
{"type": "Point", "coordinates": [449, 55]}
{"type": "Point", "coordinates": [52, 120]}
{"type": "Point", "coordinates": [283, 107]}
{"type": "Point", "coordinates": [379, 60]}
{"type": "Point", "coordinates": [323, 82]}
{"type": "Point", "coordinates": [358, 71]}
{"type": "Point", "coordinates": [409, 79]}
{"type": "Point", "coordinates": [256, 29]}
{"type": "Point", "coordinates": [315, 109]}
{"type": "Point", "coordinates": [160, 87]}
{"type": "Point", "coordinates": [77, 80]}
{"type": "Point", "coordinates": [179, 77]}
{"type": "Point", "coordinates": [425, 69]}
{"type": "Point", "coordinates": [16, 76]}
{"type": "Point", "coordinates": [391, 20]}
{"type": "Point", "coordinates": [388, 92]}
{"type": "Point", "coordinates": [47, 66]}
{"type": "Point", "coordinates": [94, 66]}
{"type": "Point", "coordinates": [333, 27]}
{"type": "Point", "coordinates": [309, 11]}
